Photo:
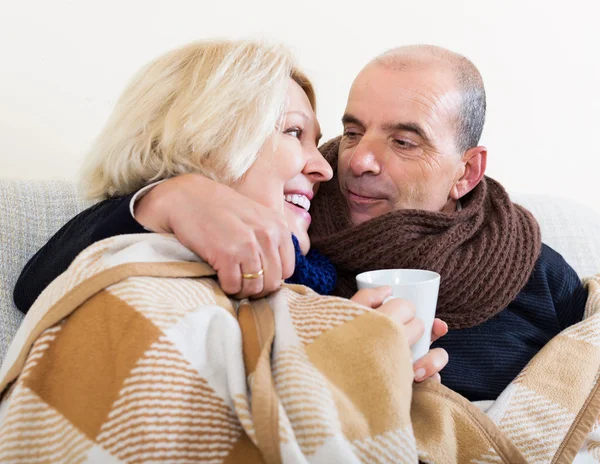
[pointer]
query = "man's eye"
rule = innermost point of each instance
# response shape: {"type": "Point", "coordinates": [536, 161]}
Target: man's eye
{"type": "Point", "coordinates": [350, 134]}
{"type": "Point", "coordinates": [404, 143]}
{"type": "Point", "coordinates": [294, 132]}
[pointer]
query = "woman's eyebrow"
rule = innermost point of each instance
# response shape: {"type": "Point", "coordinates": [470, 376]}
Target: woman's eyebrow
{"type": "Point", "coordinates": [300, 113]}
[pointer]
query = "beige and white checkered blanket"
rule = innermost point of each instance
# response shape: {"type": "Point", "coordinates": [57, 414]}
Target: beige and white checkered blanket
{"type": "Point", "coordinates": [135, 355]}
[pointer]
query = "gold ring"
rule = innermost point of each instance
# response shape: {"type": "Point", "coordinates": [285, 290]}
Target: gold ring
{"type": "Point", "coordinates": [253, 276]}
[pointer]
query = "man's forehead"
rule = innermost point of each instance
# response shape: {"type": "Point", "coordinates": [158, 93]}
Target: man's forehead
{"type": "Point", "coordinates": [390, 93]}
{"type": "Point", "coordinates": [422, 78]}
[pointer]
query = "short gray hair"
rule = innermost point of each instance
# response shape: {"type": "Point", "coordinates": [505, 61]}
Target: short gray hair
{"type": "Point", "coordinates": [471, 113]}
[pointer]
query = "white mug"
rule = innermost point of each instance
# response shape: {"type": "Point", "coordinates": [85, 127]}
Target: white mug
{"type": "Point", "coordinates": [415, 285]}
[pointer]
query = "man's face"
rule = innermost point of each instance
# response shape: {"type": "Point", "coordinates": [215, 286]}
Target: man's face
{"type": "Point", "coordinates": [398, 149]}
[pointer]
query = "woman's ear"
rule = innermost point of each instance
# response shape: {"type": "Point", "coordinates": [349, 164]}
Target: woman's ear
{"type": "Point", "coordinates": [474, 163]}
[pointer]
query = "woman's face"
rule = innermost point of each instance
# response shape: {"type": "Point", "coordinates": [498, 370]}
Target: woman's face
{"type": "Point", "coordinates": [289, 166]}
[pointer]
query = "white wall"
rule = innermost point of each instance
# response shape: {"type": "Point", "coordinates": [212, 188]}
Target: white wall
{"type": "Point", "coordinates": [63, 64]}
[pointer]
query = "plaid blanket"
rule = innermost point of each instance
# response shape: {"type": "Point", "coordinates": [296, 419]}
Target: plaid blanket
{"type": "Point", "coordinates": [136, 355]}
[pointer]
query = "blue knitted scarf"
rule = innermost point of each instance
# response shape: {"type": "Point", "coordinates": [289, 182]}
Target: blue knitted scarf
{"type": "Point", "coordinates": [313, 270]}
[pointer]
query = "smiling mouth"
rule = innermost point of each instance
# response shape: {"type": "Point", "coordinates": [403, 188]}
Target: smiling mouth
{"type": "Point", "coordinates": [300, 201]}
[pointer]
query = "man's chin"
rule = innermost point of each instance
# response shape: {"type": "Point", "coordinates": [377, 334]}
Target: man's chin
{"type": "Point", "coordinates": [362, 210]}
{"type": "Point", "coordinates": [358, 218]}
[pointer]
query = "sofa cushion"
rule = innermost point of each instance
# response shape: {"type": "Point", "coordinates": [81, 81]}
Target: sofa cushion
{"type": "Point", "coordinates": [569, 227]}
{"type": "Point", "coordinates": [30, 213]}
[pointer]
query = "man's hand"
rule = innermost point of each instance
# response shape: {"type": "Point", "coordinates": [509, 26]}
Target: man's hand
{"type": "Point", "coordinates": [231, 232]}
{"type": "Point", "coordinates": [430, 365]}
{"type": "Point", "coordinates": [403, 312]}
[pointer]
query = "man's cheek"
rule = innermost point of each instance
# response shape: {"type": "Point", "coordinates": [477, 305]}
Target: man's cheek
{"type": "Point", "coordinates": [344, 159]}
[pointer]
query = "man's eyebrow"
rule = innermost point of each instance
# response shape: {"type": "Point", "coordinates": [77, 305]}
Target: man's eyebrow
{"type": "Point", "coordinates": [400, 126]}
{"type": "Point", "coordinates": [350, 119]}
{"type": "Point", "coordinates": [408, 127]}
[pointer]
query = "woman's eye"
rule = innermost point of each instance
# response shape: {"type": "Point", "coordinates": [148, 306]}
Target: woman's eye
{"type": "Point", "coordinates": [294, 132]}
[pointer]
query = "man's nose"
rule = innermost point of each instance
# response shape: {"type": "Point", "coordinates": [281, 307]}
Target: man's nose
{"type": "Point", "coordinates": [366, 158]}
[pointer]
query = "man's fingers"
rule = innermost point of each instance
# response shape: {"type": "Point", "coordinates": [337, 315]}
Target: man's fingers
{"type": "Point", "coordinates": [430, 364]}
{"type": "Point", "coordinates": [372, 297]}
{"type": "Point", "coordinates": [401, 311]}
{"type": "Point", "coordinates": [230, 278]}
{"type": "Point", "coordinates": [229, 231]}
{"type": "Point", "coordinates": [253, 275]}
{"type": "Point", "coordinates": [414, 329]}
{"type": "Point", "coordinates": [269, 252]}
{"type": "Point", "coordinates": [439, 329]}
{"type": "Point", "coordinates": [230, 263]}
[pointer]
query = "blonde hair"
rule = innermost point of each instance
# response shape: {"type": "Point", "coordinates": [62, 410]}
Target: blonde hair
{"type": "Point", "coordinates": [206, 108]}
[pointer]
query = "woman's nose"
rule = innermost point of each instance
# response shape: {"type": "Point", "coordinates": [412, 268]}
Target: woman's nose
{"type": "Point", "coordinates": [318, 168]}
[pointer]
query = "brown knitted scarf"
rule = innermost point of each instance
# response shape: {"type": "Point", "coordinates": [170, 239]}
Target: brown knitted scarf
{"type": "Point", "coordinates": [484, 253]}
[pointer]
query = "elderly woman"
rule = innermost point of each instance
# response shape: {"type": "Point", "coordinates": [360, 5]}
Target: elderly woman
{"type": "Point", "coordinates": [242, 114]}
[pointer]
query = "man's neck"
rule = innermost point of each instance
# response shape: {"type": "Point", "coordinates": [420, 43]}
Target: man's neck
{"type": "Point", "coordinates": [452, 206]}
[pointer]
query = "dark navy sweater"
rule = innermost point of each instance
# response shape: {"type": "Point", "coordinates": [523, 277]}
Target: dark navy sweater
{"type": "Point", "coordinates": [483, 360]}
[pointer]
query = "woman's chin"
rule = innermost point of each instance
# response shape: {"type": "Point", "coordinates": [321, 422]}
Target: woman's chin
{"type": "Point", "coordinates": [305, 245]}
{"type": "Point", "coordinates": [299, 226]}
{"type": "Point", "coordinates": [303, 240]}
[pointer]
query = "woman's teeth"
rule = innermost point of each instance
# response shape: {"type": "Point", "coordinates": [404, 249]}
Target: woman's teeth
{"type": "Point", "coordinates": [299, 200]}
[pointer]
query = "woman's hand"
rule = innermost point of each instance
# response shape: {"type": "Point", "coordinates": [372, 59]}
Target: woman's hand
{"type": "Point", "coordinates": [403, 312]}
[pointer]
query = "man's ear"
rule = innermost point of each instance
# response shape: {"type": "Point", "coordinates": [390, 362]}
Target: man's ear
{"type": "Point", "coordinates": [474, 164]}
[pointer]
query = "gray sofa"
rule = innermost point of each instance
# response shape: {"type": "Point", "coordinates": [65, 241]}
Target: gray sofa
{"type": "Point", "coordinates": [31, 211]}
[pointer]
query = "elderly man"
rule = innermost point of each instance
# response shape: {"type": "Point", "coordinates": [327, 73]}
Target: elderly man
{"type": "Point", "coordinates": [409, 192]}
